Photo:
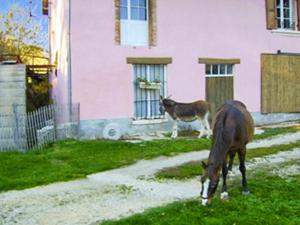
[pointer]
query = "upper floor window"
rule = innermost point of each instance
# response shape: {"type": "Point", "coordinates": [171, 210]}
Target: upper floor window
{"type": "Point", "coordinates": [283, 15]}
{"type": "Point", "coordinates": [286, 17]}
{"type": "Point", "coordinates": [133, 10]}
{"type": "Point", "coordinates": [134, 22]}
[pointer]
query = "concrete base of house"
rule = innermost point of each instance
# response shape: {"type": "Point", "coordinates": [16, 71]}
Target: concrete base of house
{"type": "Point", "coordinates": [128, 128]}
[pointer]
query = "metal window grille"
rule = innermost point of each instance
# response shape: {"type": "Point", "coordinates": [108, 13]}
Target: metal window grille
{"type": "Point", "coordinates": [146, 98]}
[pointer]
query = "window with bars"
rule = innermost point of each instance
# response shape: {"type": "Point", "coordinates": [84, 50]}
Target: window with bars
{"type": "Point", "coordinates": [150, 82]}
{"type": "Point", "coordinates": [219, 69]}
{"type": "Point", "coordinates": [286, 14]}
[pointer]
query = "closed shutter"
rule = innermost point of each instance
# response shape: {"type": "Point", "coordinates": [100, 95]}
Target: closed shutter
{"type": "Point", "coordinates": [152, 23]}
{"type": "Point", "coordinates": [298, 13]}
{"type": "Point", "coordinates": [271, 14]}
{"type": "Point", "coordinates": [117, 22]}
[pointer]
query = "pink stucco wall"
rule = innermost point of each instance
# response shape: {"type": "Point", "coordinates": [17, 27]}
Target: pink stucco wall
{"type": "Point", "coordinates": [186, 30]}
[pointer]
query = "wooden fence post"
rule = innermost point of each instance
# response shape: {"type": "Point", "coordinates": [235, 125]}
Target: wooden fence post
{"type": "Point", "coordinates": [16, 127]}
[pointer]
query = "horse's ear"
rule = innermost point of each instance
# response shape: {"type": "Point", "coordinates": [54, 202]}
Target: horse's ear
{"type": "Point", "coordinates": [203, 165]}
{"type": "Point", "coordinates": [161, 97]}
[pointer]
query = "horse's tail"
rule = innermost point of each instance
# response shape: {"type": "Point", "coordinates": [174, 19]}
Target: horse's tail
{"type": "Point", "coordinates": [218, 139]}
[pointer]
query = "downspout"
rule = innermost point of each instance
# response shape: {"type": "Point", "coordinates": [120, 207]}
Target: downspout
{"type": "Point", "coordinates": [50, 41]}
{"type": "Point", "coordinates": [69, 62]}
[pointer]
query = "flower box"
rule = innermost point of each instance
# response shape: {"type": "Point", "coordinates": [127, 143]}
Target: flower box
{"type": "Point", "coordinates": [150, 85]}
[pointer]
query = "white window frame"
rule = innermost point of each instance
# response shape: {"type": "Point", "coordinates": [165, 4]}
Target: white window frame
{"type": "Point", "coordinates": [219, 74]}
{"type": "Point", "coordinates": [134, 32]}
{"type": "Point", "coordinates": [292, 16]}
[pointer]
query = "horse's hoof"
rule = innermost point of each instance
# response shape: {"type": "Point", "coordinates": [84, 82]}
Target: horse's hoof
{"type": "Point", "coordinates": [246, 192]}
{"type": "Point", "coordinates": [224, 196]}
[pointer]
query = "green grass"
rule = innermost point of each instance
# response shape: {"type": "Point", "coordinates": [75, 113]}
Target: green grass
{"type": "Point", "coordinates": [69, 160]}
{"type": "Point", "coordinates": [270, 132]}
{"type": "Point", "coordinates": [273, 201]}
{"type": "Point", "coordinates": [194, 168]}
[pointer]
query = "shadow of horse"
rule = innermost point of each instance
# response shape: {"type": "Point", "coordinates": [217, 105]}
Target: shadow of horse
{"type": "Point", "coordinates": [233, 128]}
{"type": "Point", "coordinates": [187, 112]}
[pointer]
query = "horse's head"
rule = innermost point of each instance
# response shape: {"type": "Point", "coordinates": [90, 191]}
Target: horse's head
{"type": "Point", "coordinates": [209, 181]}
{"type": "Point", "coordinates": [165, 103]}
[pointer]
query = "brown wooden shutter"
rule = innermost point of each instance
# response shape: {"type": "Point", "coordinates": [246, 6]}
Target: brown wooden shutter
{"type": "Point", "coordinates": [117, 22]}
{"type": "Point", "coordinates": [152, 23]}
{"type": "Point", "coordinates": [271, 14]}
{"type": "Point", "coordinates": [298, 13]}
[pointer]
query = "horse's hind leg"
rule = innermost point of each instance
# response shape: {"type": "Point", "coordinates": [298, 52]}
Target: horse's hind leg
{"type": "Point", "coordinates": [231, 158]}
{"type": "Point", "coordinates": [201, 131]}
{"type": "Point", "coordinates": [205, 124]}
{"type": "Point", "coordinates": [242, 154]}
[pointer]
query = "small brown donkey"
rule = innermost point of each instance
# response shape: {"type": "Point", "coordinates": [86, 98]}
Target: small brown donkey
{"type": "Point", "coordinates": [187, 112]}
{"type": "Point", "coordinates": [233, 128]}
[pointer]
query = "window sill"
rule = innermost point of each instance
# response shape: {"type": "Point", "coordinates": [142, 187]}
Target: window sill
{"type": "Point", "coordinates": [218, 75]}
{"type": "Point", "coordinates": [150, 121]}
{"type": "Point", "coordinates": [290, 33]}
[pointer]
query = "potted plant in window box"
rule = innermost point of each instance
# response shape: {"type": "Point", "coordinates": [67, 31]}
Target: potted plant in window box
{"type": "Point", "coordinates": [145, 84]}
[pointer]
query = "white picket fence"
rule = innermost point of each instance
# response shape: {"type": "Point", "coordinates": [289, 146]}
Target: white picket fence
{"type": "Point", "coordinates": [34, 130]}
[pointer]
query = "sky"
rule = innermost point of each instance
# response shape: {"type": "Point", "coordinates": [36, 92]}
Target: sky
{"type": "Point", "coordinates": [35, 7]}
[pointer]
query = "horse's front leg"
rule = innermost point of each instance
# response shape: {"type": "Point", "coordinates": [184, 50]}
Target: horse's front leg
{"type": "Point", "coordinates": [224, 193]}
{"type": "Point", "coordinates": [242, 154]}
{"type": "Point", "coordinates": [175, 129]}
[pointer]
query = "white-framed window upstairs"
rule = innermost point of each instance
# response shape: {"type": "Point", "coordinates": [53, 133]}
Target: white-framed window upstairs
{"type": "Point", "coordinates": [286, 14]}
{"type": "Point", "coordinates": [134, 22]}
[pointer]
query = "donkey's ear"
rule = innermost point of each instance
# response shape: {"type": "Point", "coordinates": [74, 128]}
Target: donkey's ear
{"type": "Point", "coordinates": [204, 165]}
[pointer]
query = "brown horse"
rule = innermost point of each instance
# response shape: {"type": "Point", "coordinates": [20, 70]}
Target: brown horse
{"type": "Point", "coordinates": [187, 112]}
{"type": "Point", "coordinates": [233, 128]}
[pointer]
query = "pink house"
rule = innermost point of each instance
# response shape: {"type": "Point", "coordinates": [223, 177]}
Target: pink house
{"type": "Point", "coordinates": [116, 57]}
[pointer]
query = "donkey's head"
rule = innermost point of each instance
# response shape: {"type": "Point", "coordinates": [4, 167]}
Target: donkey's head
{"type": "Point", "coordinates": [165, 104]}
{"type": "Point", "coordinates": [209, 181]}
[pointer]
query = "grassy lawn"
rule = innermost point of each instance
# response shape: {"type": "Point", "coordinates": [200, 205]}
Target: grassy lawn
{"type": "Point", "coordinates": [194, 168]}
{"type": "Point", "coordinates": [270, 132]}
{"type": "Point", "coordinates": [273, 201]}
{"type": "Point", "coordinates": [69, 160]}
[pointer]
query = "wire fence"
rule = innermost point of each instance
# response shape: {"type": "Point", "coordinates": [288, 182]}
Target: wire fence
{"type": "Point", "coordinates": [34, 130]}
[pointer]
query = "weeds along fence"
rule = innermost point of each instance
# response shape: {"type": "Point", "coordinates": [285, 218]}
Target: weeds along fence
{"type": "Point", "coordinates": [34, 130]}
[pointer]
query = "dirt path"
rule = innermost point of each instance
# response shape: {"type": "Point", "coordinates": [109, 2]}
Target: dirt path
{"type": "Point", "coordinates": [115, 193]}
